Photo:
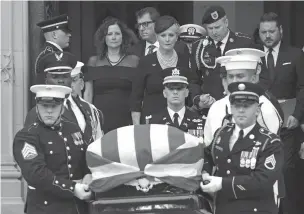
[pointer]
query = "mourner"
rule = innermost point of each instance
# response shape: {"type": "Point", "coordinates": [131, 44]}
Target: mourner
{"type": "Point", "coordinates": [77, 84]}
{"type": "Point", "coordinates": [146, 18]}
{"type": "Point", "coordinates": [51, 156]}
{"type": "Point", "coordinates": [57, 35]}
{"type": "Point", "coordinates": [242, 65]}
{"type": "Point", "coordinates": [58, 67]}
{"type": "Point", "coordinates": [247, 159]}
{"type": "Point", "coordinates": [177, 114]}
{"type": "Point", "coordinates": [204, 52]}
{"type": "Point", "coordinates": [282, 74]}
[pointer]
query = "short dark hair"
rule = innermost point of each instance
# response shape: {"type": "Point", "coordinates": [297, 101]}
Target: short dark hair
{"type": "Point", "coordinates": [153, 12]}
{"type": "Point", "coordinates": [271, 17]}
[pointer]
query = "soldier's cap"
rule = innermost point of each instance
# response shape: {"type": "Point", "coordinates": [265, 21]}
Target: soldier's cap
{"type": "Point", "coordinates": [213, 14]}
{"type": "Point", "coordinates": [244, 91]}
{"type": "Point", "coordinates": [77, 69]}
{"type": "Point", "coordinates": [175, 75]}
{"type": "Point", "coordinates": [59, 22]}
{"type": "Point", "coordinates": [242, 58]}
{"type": "Point", "coordinates": [58, 62]}
{"type": "Point", "coordinates": [191, 32]}
{"type": "Point", "coordinates": [50, 93]}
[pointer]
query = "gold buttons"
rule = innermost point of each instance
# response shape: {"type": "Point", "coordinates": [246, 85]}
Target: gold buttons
{"type": "Point", "coordinates": [51, 152]}
{"type": "Point", "coordinates": [65, 139]}
{"type": "Point", "coordinates": [228, 172]}
{"type": "Point", "coordinates": [255, 209]}
{"type": "Point", "coordinates": [63, 185]}
{"type": "Point", "coordinates": [71, 188]}
{"type": "Point", "coordinates": [45, 202]}
{"type": "Point", "coordinates": [60, 133]}
{"type": "Point", "coordinates": [69, 157]}
{"type": "Point", "coordinates": [68, 148]}
{"type": "Point", "coordinates": [71, 175]}
{"type": "Point", "coordinates": [56, 182]}
{"type": "Point", "coordinates": [69, 166]}
{"type": "Point", "coordinates": [228, 160]}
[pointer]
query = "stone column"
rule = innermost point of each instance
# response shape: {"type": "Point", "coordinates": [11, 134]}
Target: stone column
{"type": "Point", "coordinates": [14, 93]}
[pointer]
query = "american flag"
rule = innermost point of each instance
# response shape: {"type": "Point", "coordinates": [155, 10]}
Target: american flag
{"type": "Point", "coordinates": [159, 151]}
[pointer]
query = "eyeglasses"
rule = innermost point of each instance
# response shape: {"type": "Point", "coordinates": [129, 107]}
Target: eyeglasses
{"type": "Point", "coordinates": [143, 24]}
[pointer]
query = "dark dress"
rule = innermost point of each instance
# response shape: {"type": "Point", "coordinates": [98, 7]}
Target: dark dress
{"type": "Point", "coordinates": [147, 91]}
{"type": "Point", "coordinates": [112, 88]}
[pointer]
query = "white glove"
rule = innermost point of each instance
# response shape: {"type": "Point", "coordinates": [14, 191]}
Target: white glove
{"type": "Point", "coordinates": [82, 191]}
{"type": "Point", "coordinates": [214, 185]}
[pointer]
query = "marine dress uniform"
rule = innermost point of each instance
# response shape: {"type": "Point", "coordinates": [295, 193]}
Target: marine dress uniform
{"type": "Point", "coordinates": [184, 119]}
{"type": "Point", "coordinates": [251, 170]}
{"type": "Point", "coordinates": [50, 158]}
{"type": "Point", "coordinates": [206, 50]}
{"type": "Point", "coordinates": [270, 116]}
{"type": "Point", "coordinates": [79, 112]}
{"type": "Point", "coordinates": [58, 22]}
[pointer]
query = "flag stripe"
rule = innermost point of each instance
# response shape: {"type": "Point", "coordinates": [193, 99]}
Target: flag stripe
{"type": "Point", "coordinates": [183, 156]}
{"type": "Point", "coordinates": [159, 142]}
{"type": "Point", "coordinates": [176, 170]}
{"type": "Point", "coordinates": [175, 137]}
{"type": "Point", "coordinates": [143, 145]}
{"type": "Point", "coordinates": [109, 147]}
{"type": "Point", "coordinates": [102, 185]}
{"type": "Point", "coordinates": [94, 160]}
{"type": "Point", "coordinates": [111, 169]}
{"type": "Point", "coordinates": [189, 184]}
{"type": "Point", "coordinates": [126, 146]}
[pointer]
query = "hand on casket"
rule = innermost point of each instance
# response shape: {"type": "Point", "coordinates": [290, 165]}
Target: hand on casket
{"type": "Point", "coordinates": [132, 152]}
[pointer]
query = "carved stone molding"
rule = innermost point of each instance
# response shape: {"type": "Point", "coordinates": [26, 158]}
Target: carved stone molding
{"type": "Point", "coordinates": [7, 67]}
{"type": "Point", "coordinates": [51, 9]}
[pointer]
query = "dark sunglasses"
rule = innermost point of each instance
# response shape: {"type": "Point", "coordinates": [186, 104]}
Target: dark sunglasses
{"type": "Point", "coordinates": [143, 24]}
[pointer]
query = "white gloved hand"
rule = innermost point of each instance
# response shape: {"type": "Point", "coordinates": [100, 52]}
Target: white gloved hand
{"type": "Point", "coordinates": [214, 185]}
{"type": "Point", "coordinates": [82, 191]}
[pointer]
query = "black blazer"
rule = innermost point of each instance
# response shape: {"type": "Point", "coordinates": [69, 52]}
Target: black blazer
{"type": "Point", "coordinates": [289, 77]}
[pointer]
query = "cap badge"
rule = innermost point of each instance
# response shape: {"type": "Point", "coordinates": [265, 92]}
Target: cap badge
{"type": "Point", "coordinates": [214, 15]}
{"type": "Point", "coordinates": [58, 57]}
{"type": "Point", "coordinates": [175, 72]}
{"type": "Point", "coordinates": [241, 87]}
{"type": "Point", "coordinates": [191, 30]}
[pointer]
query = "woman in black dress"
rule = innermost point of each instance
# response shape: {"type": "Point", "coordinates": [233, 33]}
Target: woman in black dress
{"type": "Point", "coordinates": [110, 73]}
{"type": "Point", "coordinates": [147, 91]}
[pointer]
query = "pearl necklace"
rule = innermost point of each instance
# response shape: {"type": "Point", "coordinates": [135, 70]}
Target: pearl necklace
{"type": "Point", "coordinates": [167, 63]}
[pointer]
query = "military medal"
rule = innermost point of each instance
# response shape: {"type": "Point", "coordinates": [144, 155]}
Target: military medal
{"type": "Point", "coordinates": [254, 155]}
{"type": "Point", "coordinates": [242, 160]}
{"type": "Point", "coordinates": [247, 164]}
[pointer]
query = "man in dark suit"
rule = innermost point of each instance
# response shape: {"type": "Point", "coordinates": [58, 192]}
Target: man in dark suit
{"type": "Point", "coordinates": [177, 114]}
{"type": "Point", "coordinates": [146, 18]}
{"type": "Point", "coordinates": [87, 117]}
{"type": "Point", "coordinates": [204, 52]}
{"type": "Point", "coordinates": [282, 74]}
{"type": "Point", "coordinates": [57, 36]}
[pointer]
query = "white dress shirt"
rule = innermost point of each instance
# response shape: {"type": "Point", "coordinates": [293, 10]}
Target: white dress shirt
{"type": "Point", "coordinates": [56, 45]}
{"type": "Point", "coordinates": [235, 134]}
{"type": "Point", "coordinates": [148, 45]}
{"type": "Point", "coordinates": [181, 114]}
{"type": "Point", "coordinates": [224, 42]}
{"type": "Point", "coordinates": [269, 117]}
{"type": "Point", "coordinates": [275, 53]}
{"type": "Point", "coordinates": [78, 114]}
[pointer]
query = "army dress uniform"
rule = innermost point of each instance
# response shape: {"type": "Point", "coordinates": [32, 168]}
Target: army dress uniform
{"type": "Point", "coordinates": [77, 111]}
{"type": "Point", "coordinates": [50, 158]}
{"type": "Point", "coordinates": [251, 170]}
{"type": "Point", "coordinates": [58, 22]}
{"type": "Point", "coordinates": [205, 51]}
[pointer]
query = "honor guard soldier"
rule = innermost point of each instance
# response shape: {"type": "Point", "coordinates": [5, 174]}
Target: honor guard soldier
{"type": "Point", "coordinates": [57, 35]}
{"type": "Point", "coordinates": [246, 159]}
{"type": "Point", "coordinates": [177, 114]}
{"type": "Point", "coordinates": [51, 156]}
{"type": "Point", "coordinates": [57, 67]}
{"type": "Point", "coordinates": [204, 52]}
{"type": "Point", "coordinates": [242, 65]}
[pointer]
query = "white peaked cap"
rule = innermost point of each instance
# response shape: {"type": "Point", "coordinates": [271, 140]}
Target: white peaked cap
{"type": "Point", "coordinates": [55, 91]}
{"type": "Point", "coordinates": [77, 69]}
{"type": "Point", "coordinates": [241, 58]}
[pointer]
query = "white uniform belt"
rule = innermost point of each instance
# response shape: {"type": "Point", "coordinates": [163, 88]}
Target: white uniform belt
{"type": "Point", "coordinates": [30, 187]}
{"type": "Point", "coordinates": [284, 100]}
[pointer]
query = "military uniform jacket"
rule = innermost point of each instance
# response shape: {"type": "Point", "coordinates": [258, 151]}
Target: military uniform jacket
{"type": "Point", "coordinates": [93, 118]}
{"type": "Point", "coordinates": [203, 57]}
{"type": "Point", "coordinates": [50, 158]}
{"type": "Point", "coordinates": [192, 122]}
{"type": "Point", "coordinates": [251, 171]}
{"type": "Point", "coordinates": [47, 48]}
{"type": "Point", "coordinates": [270, 117]}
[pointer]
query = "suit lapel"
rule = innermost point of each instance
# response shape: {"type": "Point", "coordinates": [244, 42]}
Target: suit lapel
{"type": "Point", "coordinates": [230, 43]}
{"type": "Point", "coordinates": [143, 47]}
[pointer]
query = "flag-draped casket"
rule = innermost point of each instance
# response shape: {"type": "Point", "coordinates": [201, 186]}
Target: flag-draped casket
{"type": "Point", "coordinates": [145, 155]}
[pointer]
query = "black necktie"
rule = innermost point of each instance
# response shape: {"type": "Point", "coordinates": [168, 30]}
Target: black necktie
{"type": "Point", "coordinates": [151, 48]}
{"type": "Point", "coordinates": [270, 64]}
{"type": "Point", "coordinates": [218, 48]}
{"type": "Point", "coordinates": [241, 135]}
{"type": "Point", "coordinates": [175, 122]}
{"type": "Point", "coordinates": [70, 107]}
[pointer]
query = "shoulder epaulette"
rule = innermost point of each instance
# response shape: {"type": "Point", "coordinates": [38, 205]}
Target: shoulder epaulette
{"type": "Point", "coordinates": [239, 34]}
{"type": "Point", "coordinates": [270, 137]}
{"type": "Point", "coordinates": [33, 126]}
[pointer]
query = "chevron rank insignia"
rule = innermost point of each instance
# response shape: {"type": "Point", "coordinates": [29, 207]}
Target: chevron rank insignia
{"type": "Point", "coordinates": [28, 151]}
{"type": "Point", "coordinates": [270, 162]}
